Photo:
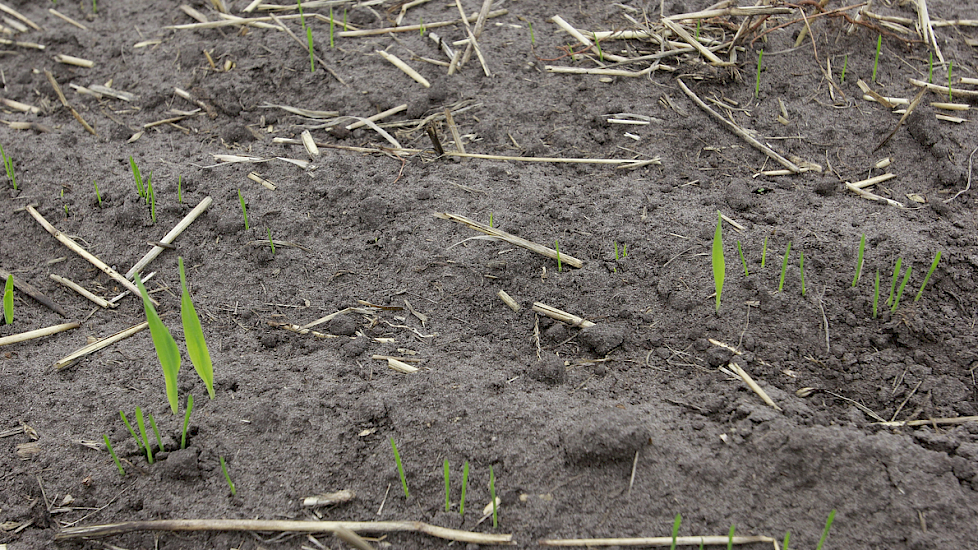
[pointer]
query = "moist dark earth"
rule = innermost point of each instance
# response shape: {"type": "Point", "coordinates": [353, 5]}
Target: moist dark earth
{"type": "Point", "coordinates": [605, 431]}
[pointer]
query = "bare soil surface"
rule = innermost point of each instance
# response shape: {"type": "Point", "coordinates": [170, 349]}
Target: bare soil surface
{"type": "Point", "coordinates": [605, 431]}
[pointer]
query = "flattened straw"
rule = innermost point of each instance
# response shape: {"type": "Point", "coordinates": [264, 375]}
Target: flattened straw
{"type": "Point", "coordinates": [30, 45]}
{"type": "Point", "coordinates": [929, 421]}
{"type": "Point", "coordinates": [561, 315]}
{"type": "Point", "coordinates": [604, 72]}
{"type": "Point", "coordinates": [576, 34]}
{"type": "Point", "coordinates": [862, 184]}
{"type": "Point", "coordinates": [169, 238]}
{"type": "Point", "coordinates": [872, 196]}
{"type": "Point", "coordinates": [927, 28]}
{"type": "Point", "coordinates": [711, 540]}
{"type": "Point", "coordinates": [72, 60]}
{"type": "Point", "coordinates": [22, 107]}
{"type": "Point", "coordinates": [378, 116]}
{"type": "Point", "coordinates": [752, 384]}
{"type": "Point", "coordinates": [511, 239]}
{"type": "Point", "coordinates": [689, 39]}
{"type": "Point", "coordinates": [396, 61]}
{"type": "Point", "coordinates": [373, 126]}
{"type": "Point", "coordinates": [29, 289]}
{"type": "Point", "coordinates": [253, 176]}
{"type": "Point", "coordinates": [473, 43]}
{"type": "Point", "coordinates": [14, 13]}
{"type": "Point", "coordinates": [910, 109]}
{"type": "Point", "coordinates": [943, 89]}
{"type": "Point", "coordinates": [740, 131]}
{"type": "Point", "coordinates": [416, 28]}
{"type": "Point", "coordinates": [508, 300]}
{"type": "Point", "coordinates": [405, 7]}
{"type": "Point", "coordinates": [67, 19]}
{"type": "Point", "coordinates": [101, 302]}
{"type": "Point", "coordinates": [445, 47]}
{"type": "Point", "coordinates": [97, 345]}
{"type": "Point", "coordinates": [64, 101]}
{"type": "Point", "coordinates": [309, 143]}
{"type": "Point", "coordinates": [450, 121]}
{"type": "Point", "coordinates": [194, 14]}
{"type": "Point", "coordinates": [32, 334]}
{"type": "Point", "coordinates": [83, 253]}
{"type": "Point", "coordinates": [741, 11]}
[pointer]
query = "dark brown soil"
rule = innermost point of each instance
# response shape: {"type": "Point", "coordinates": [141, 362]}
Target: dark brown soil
{"type": "Point", "coordinates": [560, 423]}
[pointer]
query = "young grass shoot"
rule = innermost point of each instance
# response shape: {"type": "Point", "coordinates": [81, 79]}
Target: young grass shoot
{"type": "Point", "coordinates": [332, 27]}
{"type": "Point", "coordinates": [142, 434]}
{"type": "Point", "coordinates": [271, 243]}
{"type": "Point", "coordinates": [757, 81]}
{"type": "Point", "coordinates": [448, 488]}
{"type": "Point", "coordinates": [132, 432]}
{"type": "Point", "coordinates": [876, 61]}
{"type": "Point", "coordinates": [560, 267]}
{"type": "Point", "coordinates": [930, 68]}
{"type": "Point", "coordinates": [400, 469]}
{"type": "Point", "coordinates": [950, 92]}
{"type": "Point", "coordinates": [859, 260]}
{"type": "Point", "coordinates": [675, 530]}
{"type": "Point", "coordinates": [8, 300]}
{"type": "Point", "coordinates": [743, 260]}
{"type": "Point", "coordinates": [138, 177]}
{"type": "Point", "coordinates": [97, 194]}
{"type": "Point", "coordinates": [492, 495]}
{"type": "Point", "coordinates": [108, 445]}
{"type": "Point", "coordinates": [156, 431]}
{"type": "Point", "coordinates": [784, 267]}
{"type": "Point", "coordinates": [825, 532]}
{"type": "Point", "coordinates": [180, 189]}
{"type": "Point", "coordinates": [227, 476]}
{"type": "Point", "coordinates": [166, 346]}
{"type": "Point", "coordinates": [801, 270]}
{"type": "Point", "coordinates": [186, 421]}
{"type": "Point", "coordinates": [8, 165]}
{"type": "Point", "coordinates": [876, 295]}
{"type": "Point", "coordinates": [533, 40]}
{"type": "Point", "coordinates": [933, 266]}
{"type": "Point", "coordinates": [893, 281]}
{"type": "Point", "coordinates": [194, 334]}
{"type": "Point", "coordinates": [903, 285]}
{"type": "Point", "coordinates": [719, 266]}
{"type": "Point", "coordinates": [244, 209]}
{"type": "Point", "coordinates": [764, 253]}
{"type": "Point", "coordinates": [465, 485]}
{"type": "Point", "coordinates": [845, 65]}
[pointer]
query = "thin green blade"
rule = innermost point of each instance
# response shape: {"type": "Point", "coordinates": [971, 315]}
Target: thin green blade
{"type": "Point", "coordinates": [192, 331]}
{"type": "Point", "coordinates": [166, 347]}
{"type": "Point", "coordinates": [719, 267]}
{"type": "Point", "coordinates": [8, 300]}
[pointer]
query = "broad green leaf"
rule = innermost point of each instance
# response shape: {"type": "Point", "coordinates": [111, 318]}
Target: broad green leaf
{"type": "Point", "coordinates": [196, 345]}
{"type": "Point", "coordinates": [166, 347]}
{"type": "Point", "coordinates": [719, 267]}
{"type": "Point", "coordinates": [8, 300]}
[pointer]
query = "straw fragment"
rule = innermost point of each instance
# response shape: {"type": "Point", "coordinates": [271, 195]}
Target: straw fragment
{"type": "Point", "coordinates": [309, 143]}
{"type": "Point", "coordinates": [752, 384]}
{"type": "Point", "coordinates": [512, 239]}
{"type": "Point", "coordinates": [416, 28]}
{"type": "Point", "coordinates": [561, 315]}
{"type": "Point", "coordinates": [393, 59]}
{"type": "Point", "coordinates": [64, 101]}
{"type": "Point", "coordinates": [508, 300]}
{"type": "Point", "coordinates": [14, 13]}
{"type": "Point", "coordinates": [41, 332]}
{"type": "Point", "coordinates": [31, 45]}
{"type": "Point", "coordinates": [66, 19]}
{"type": "Point", "coordinates": [943, 90]}
{"type": "Point", "coordinates": [695, 542]}
{"type": "Point", "coordinates": [101, 302]}
{"type": "Point", "coordinates": [97, 345]}
{"type": "Point", "coordinates": [72, 60]}
{"type": "Point", "coordinates": [862, 184]}
{"type": "Point", "coordinates": [169, 238]}
{"type": "Point", "coordinates": [253, 176]}
{"type": "Point", "coordinates": [378, 116]}
{"type": "Point", "coordinates": [22, 107]}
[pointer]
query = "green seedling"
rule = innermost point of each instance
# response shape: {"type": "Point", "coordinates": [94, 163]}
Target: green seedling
{"type": "Point", "coordinates": [764, 253]}
{"type": "Point", "coordinates": [142, 433]}
{"type": "Point", "coordinates": [903, 285]}
{"type": "Point", "coordinates": [97, 194]}
{"type": "Point", "coordinates": [950, 93]}
{"type": "Point", "coordinates": [490, 219]}
{"type": "Point", "coordinates": [156, 432]}
{"type": "Point", "coordinates": [271, 243]}
{"type": "Point", "coordinates": [421, 26]}
{"type": "Point", "coordinates": [8, 300]}
{"type": "Point", "coordinates": [859, 260]}
{"type": "Point", "coordinates": [194, 334]}
{"type": "Point", "coordinates": [94, 6]}
{"type": "Point", "coordinates": [876, 62]}
{"type": "Point", "coordinates": [180, 189]}
{"type": "Point", "coordinates": [66, 211]}
{"type": "Point", "coordinates": [533, 41]}
{"type": "Point", "coordinates": [8, 165]}
{"type": "Point", "coordinates": [492, 495]}
{"type": "Point", "coordinates": [697, 35]}
{"type": "Point", "coordinates": [597, 44]}
{"type": "Point", "coordinates": [224, 468]}
{"type": "Point", "coordinates": [801, 270]}
{"type": "Point", "coordinates": [465, 484]}
{"type": "Point", "coordinates": [332, 27]}
{"type": "Point", "coordinates": [115, 458]}
{"type": "Point", "coordinates": [933, 266]}
{"type": "Point", "coordinates": [876, 294]}
{"type": "Point", "coordinates": [787, 537]}
{"type": "Point", "coordinates": [893, 281]}
{"type": "Point", "coordinates": [845, 65]}
{"type": "Point", "coordinates": [244, 209]}
{"type": "Point", "coordinates": [930, 68]}
{"type": "Point", "coordinates": [757, 82]}
{"type": "Point", "coordinates": [132, 432]}
{"type": "Point", "coordinates": [138, 177]}
{"type": "Point", "coordinates": [675, 530]}
{"type": "Point", "coordinates": [743, 260]}
{"type": "Point", "coordinates": [719, 266]}
{"type": "Point", "coordinates": [784, 267]}
{"type": "Point", "coordinates": [344, 20]}
{"type": "Point", "coordinates": [825, 532]}
{"type": "Point", "coordinates": [557, 248]}
{"type": "Point", "coordinates": [302, 17]}
{"type": "Point", "coordinates": [312, 52]}
{"type": "Point", "coordinates": [152, 199]}
{"type": "Point", "coordinates": [400, 469]}
{"type": "Point", "coordinates": [166, 346]}
{"type": "Point", "coordinates": [186, 421]}
{"type": "Point", "coordinates": [448, 502]}
{"type": "Point", "coordinates": [730, 537]}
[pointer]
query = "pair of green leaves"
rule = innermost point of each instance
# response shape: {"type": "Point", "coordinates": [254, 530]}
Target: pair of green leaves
{"type": "Point", "coordinates": [166, 347]}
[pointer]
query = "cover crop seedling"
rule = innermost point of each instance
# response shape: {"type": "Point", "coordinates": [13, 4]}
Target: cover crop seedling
{"type": "Point", "coordinates": [224, 468]}
{"type": "Point", "coordinates": [244, 210]}
{"type": "Point", "coordinates": [492, 495]}
{"type": "Point", "coordinates": [132, 432]}
{"type": "Point", "coordinates": [757, 82]}
{"type": "Point", "coordinates": [186, 421]}
{"type": "Point", "coordinates": [845, 64]}
{"type": "Point", "coordinates": [448, 502]}
{"type": "Point", "coordinates": [675, 530]}
{"type": "Point", "coordinates": [742, 259]}
{"type": "Point", "coordinates": [192, 331]}
{"type": "Point", "coordinates": [465, 484]}
{"type": "Point", "coordinates": [903, 285]}
{"type": "Point", "coordinates": [719, 266]}
{"type": "Point", "coordinates": [156, 432]}
{"type": "Point", "coordinates": [893, 281]}
{"type": "Point", "coordinates": [784, 266]}
{"type": "Point", "coordinates": [930, 272]}
{"type": "Point", "coordinates": [764, 253]}
{"type": "Point", "coordinates": [8, 165]}
{"type": "Point", "coordinates": [801, 270]}
{"type": "Point", "coordinates": [859, 260]}
{"type": "Point", "coordinates": [400, 469]}
{"type": "Point", "coordinates": [8, 300]}
{"type": "Point", "coordinates": [138, 177]}
{"type": "Point", "coordinates": [825, 533]}
{"type": "Point", "coordinates": [876, 294]}
{"type": "Point", "coordinates": [166, 346]}
{"type": "Point", "coordinates": [557, 248]}
{"type": "Point", "coordinates": [876, 61]}
{"type": "Point", "coordinates": [97, 194]}
{"type": "Point", "coordinates": [142, 434]}
{"type": "Point", "coordinates": [115, 458]}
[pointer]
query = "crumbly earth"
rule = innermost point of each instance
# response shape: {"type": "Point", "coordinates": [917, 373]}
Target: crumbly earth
{"type": "Point", "coordinates": [608, 431]}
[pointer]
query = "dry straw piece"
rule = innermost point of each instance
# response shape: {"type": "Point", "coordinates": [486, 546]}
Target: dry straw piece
{"type": "Point", "coordinates": [81, 290]}
{"type": "Point", "coordinates": [512, 239]}
{"type": "Point", "coordinates": [31, 334]}
{"type": "Point", "coordinates": [72, 60]}
{"type": "Point", "coordinates": [561, 315]}
{"type": "Point", "coordinates": [396, 61]}
{"type": "Point", "coordinates": [169, 238]}
{"type": "Point", "coordinates": [89, 349]}
{"type": "Point", "coordinates": [711, 540]}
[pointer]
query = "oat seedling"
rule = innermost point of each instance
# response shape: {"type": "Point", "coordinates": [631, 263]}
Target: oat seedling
{"type": "Point", "coordinates": [194, 334]}
{"type": "Point", "coordinates": [166, 346]}
{"type": "Point", "coordinates": [332, 26]}
{"type": "Point", "coordinates": [312, 52]}
{"type": "Point", "coordinates": [784, 266]}
{"type": "Point", "coordinates": [950, 93]}
{"type": "Point", "coordinates": [180, 189]}
{"type": "Point", "coordinates": [142, 434]}
{"type": "Point", "coordinates": [186, 421]}
{"type": "Point", "coordinates": [8, 165]}
{"type": "Point", "coordinates": [845, 64]}
{"type": "Point", "coordinates": [400, 469]}
{"type": "Point", "coordinates": [465, 484]}
{"type": "Point", "coordinates": [244, 210]}
{"type": "Point", "coordinates": [533, 41]}
{"type": "Point", "coordinates": [742, 259]}
{"type": "Point", "coordinates": [697, 35]}
{"type": "Point", "coordinates": [730, 538]}
{"type": "Point", "coordinates": [597, 44]}
{"type": "Point", "coordinates": [825, 532]}
{"type": "Point", "coordinates": [271, 243]}
{"type": "Point", "coordinates": [876, 61]}
{"type": "Point", "coordinates": [490, 219]}
{"type": "Point", "coordinates": [156, 431]}
{"type": "Point", "coordinates": [97, 194]}
{"type": "Point", "coordinates": [492, 495]}
{"type": "Point", "coordinates": [876, 294]}
{"type": "Point", "coordinates": [719, 267]}
{"type": "Point", "coordinates": [933, 266]}
{"type": "Point", "coordinates": [893, 281]}
{"type": "Point", "coordinates": [930, 68]}
{"type": "Point", "coordinates": [448, 502]}
{"type": "Point", "coordinates": [787, 537]}
{"type": "Point", "coordinates": [132, 432]}
{"type": "Point", "coordinates": [675, 530]}
{"type": "Point", "coordinates": [152, 199]}
{"type": "Point", "coordinates": [115, 458]}
{"type": "Point", "coordinates": [757, 82]}
{"type": "Point", "coordinates": [764, 253]}
{"type": "Point", "coordinates": [224, 468]}
{"type": "Point", "coordinates": [421, 26]}
{"type": "Point", "coordinates": [8, 300]}
{"type": "Point", "coordinates": [859, 260]}
{"type": "Point", "coordinates": [903, 284]}
{"type": "Point", "coordinates": [138, 177]}
{"type": "Point", "coordinates": [344, 20]}
{"type": "Point", "coordinates": [801, 270]}
{"type": "Point", "coordinates": [94, 6]}
{"type": "Point", "coordinates": [557, 248]}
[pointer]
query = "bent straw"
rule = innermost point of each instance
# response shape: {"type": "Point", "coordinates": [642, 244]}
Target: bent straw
{"type": "Point", "coordinates": [31, 334]}
{"type": "Point", "coordinates": [511, 239]}
{"type": "Point", "coordinates": [72, 358]}
{"type": "Point", "coordinates": [101, 302]}
{"type": "Point", "coordinates": [561, 315]}
{"type": "Point", "coordinates": [82, 252]}
{"type": "Point", "coordinates": [170, 237]}
{"type": "Point", "coordinates": [71, 533]}
{"type": "Point", "coordinates": [711, 540]}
